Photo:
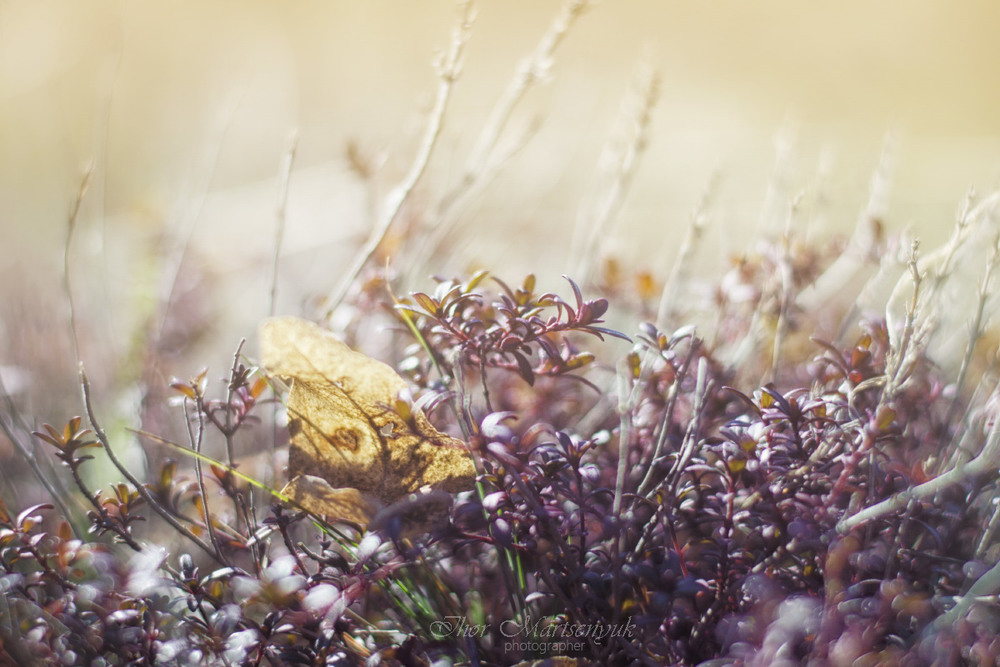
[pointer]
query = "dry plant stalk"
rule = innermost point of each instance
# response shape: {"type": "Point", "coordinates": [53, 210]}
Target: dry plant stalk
{"type": "Point", "coordinates": [986, 462]}
{"type": "Point", "coordinates": [448, 70]}
{"type": "Point", "coordinates": [669, 297]}
{"type": "Point", "coordinates": [948, 302]}
{"type": "Point", "coordinates": [918, 325]}
{"type": "Point", "coordinates": [483, 160]}
{"type": "Point", "coordinates": [280, 214]}
{"type": "Point", "coordinates": [486, 160]}
{"type": "Point", "coordinates": [853, 269]}
{"type": "Point", "coordinates": [622, 161]}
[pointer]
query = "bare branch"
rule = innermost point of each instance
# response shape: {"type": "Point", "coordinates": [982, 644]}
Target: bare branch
{"type": "Point", "coordinates": [645, 93]}
{"type": "Point", "coordinates": [74, 215]}
{"type": "Point", "coordinates": [695, 229]}
{"type": "Point", "coordinates": [486, 160]}
{"type": "Point", "coordinates": [280, 215]}
{"type": "Point", "coordinates": [448, 72]}
{"type": "Point", "coordinates": [529, 72]}
{"type": "Point", "coordinates": [139, 486]}
{"type": "Point", "coordinates": [986, 462]}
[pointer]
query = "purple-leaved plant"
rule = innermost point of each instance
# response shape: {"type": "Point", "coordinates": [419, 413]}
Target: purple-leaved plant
{"type": "Point", "coordinates": [651, 509]}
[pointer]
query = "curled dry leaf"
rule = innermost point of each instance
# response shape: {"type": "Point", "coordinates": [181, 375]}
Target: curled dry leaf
{"type": "Point", "coordinates": [352, 452]}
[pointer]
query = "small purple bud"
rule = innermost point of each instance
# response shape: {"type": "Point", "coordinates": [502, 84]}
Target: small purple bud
{"type": "Point", "coordinates": [493, 428]}
{"type": "Point", "coordinates": [493, 501]}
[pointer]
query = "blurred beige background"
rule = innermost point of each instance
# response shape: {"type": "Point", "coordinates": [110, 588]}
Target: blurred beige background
{"type": "Point", "coordinates": [173, 99]}
{"type": "Point", "coordinates": [185, 109]}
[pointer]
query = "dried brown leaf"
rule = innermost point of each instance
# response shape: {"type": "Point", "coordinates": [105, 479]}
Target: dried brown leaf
{"type": "Point", "coordinates": [346, 429]}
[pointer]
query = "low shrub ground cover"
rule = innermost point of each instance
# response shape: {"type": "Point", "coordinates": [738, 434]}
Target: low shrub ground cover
{"type": "Point", "coordinates": [642, 505]}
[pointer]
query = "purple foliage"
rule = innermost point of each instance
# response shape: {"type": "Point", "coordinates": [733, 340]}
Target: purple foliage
{"type": "Point", "coordinates": [652, 515]}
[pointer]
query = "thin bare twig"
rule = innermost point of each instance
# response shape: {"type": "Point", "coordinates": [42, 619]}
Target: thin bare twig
{"type": "Point", "coordinates": [450, 210]}
{"type": "Point", "coordinates": [189, 226]}
{"type": "Point", "coordinates": [133, 480]}
{"type": "Point", "coordinates": [941, 265]}
{"type": "Point", "coordinates": [668, 305]}
{"type": "Point", "coordinates": [486, 161]}
{"type": "Point", "coordinates": [624, 434]}
{"type": "Point", "coordinates": [785, 297]}
{"type": "Point", "coordinates": [195, 443]}
{"type": "Point", "coordinates": [637, 115]}
{"type": "Point", "coordinates": [959, 236]}
{"type": "Point", "coordinates": [67, 251]}
{"type": "Point", "coordinates": [280, 216]}
{"type": "Point", "coordinates": [448, 72]}
{"type": "Point", "coordinates": [233, 378]}
{"type": "Point", "coordinates": [692, 437]}
{"type": "Point", "coordinates": [645, 487]}
{"type": "Point", "coordinates": [986, 462]}
{"type": "Point", "coordinates": [976, 325]}
{"type": "Point", "coordinates": [902, 356]}
{"type": "Point", "coordinates": [529, 72]}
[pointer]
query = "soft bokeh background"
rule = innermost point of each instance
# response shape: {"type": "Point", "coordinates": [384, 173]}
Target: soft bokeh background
{"type": "Point", "coordinates": [186, 109]}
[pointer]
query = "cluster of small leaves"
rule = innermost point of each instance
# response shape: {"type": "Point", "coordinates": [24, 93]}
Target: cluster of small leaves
{"type": "Point", "coordinates": [69, 442]}
{"type": "Point", "coordinates": [230, 414]}
{"type": "Point", "coordinates": [110, 514]}
{"type": "Point", "coordinates": [519, 330]}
